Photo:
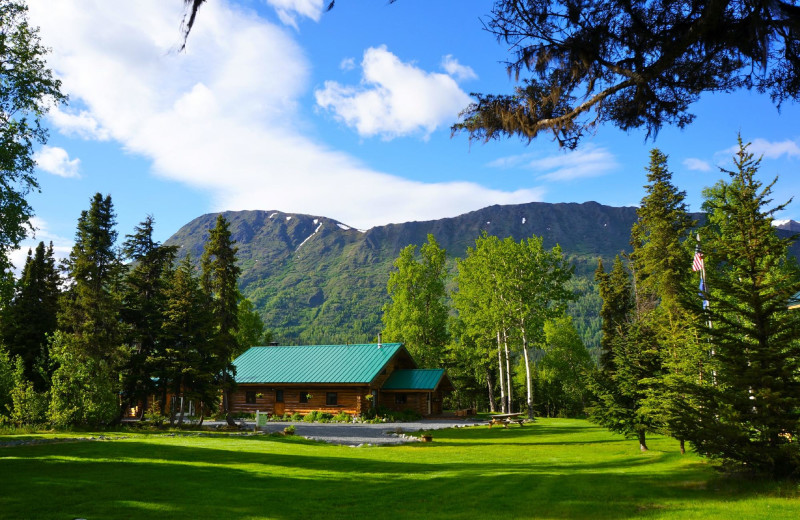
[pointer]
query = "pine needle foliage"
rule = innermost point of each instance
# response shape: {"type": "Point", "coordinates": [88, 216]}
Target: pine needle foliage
{"type": "Point", "coordinates": [751, 413]}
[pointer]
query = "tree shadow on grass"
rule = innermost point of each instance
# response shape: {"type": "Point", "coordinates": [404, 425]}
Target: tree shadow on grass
{"type": "Point", "coordinates": [135, 479]}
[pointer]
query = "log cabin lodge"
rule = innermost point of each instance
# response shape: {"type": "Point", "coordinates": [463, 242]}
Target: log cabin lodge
{"type": "Point", "coordinates": [335, 378]}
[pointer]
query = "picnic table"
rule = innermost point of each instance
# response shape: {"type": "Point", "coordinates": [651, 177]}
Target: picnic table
{"type": "Point", "coordinates": [505, 419]}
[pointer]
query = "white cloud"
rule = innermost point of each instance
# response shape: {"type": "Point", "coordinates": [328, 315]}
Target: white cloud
{"type": "Point", "coordinates": [289, 9]}
{"type": "Point", "coordinates": [769, 150]}
{"type": "Point", "coordinates": [457, 70]}
{"type": "Point", "coordinates": [698, 165]}
{"type": "Point", "coordinates": [394, 98]}
{"type": "Point", "coordinates": [348, 64]}
{"type": "Point", "coordinates": [61, 246]}
{"type": "Point", "coordinates": [56, 161]}
{"type": "Point", "coordinates": [223, 116]}
{"type": "Point", "coordinates": [80, 124]}
{"type": "Point", "coordinates": [589, 161]}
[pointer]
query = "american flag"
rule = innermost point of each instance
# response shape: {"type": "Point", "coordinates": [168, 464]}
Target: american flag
{"type": "Point", "coordinates": [697, 262]}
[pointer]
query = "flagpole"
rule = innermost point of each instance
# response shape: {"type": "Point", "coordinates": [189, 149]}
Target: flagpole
{"type": "Point", "coordinates": [698, 263]}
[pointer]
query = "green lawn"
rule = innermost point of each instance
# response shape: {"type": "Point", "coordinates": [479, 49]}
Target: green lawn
{"type": "Point", "coordinates": [552, 469]}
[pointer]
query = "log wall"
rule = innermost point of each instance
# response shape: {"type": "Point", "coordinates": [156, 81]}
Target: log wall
{"type": "Point", "coordinates": [350, 399]}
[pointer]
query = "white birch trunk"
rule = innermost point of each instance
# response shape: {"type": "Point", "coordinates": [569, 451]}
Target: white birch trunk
{"type": "Point", "coordinates": [528, 381]}
{"type": "Point", "coordinates": [503, 402]}
{"type": "Point", "coordinates": [508, 371]}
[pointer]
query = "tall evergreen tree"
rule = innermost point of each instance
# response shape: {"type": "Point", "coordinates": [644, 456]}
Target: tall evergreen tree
{"type": "Point", "coordinates": [90, 308]}
{"type": "Point", "coordinates": [617, 295]}
{"type": "Point", "coordinates": [628, 359]}
{"type": "Point", "coordinates": [752, 410]}
{"type": "Point", "coordinates": [142, 311]}
{"type": "Point", "coordinates": [660, 258]}
{"type": "Point", "coordinates": [189, 366]}
{"type": "Point", "coordinates": [417, 314]}
{"type": "Point", "coordinates": [90, 353]}
{"type": "Point", "coordinates": [219, 281]}
{"type": "Point", "coordinates": [33, 314]}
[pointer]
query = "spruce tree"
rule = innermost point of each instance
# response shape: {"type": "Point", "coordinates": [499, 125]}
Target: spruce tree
{"type": "Point", "coordinates": [142, 311]}
{"type": "Point", "coordinates": [616, 293]}
{"type": "Point", "coordinates": [629, 358]}
{"type": "Point", "coordinates": [188, 366]}
{"type": "Point", "coordinates": [219, 280]}
{"type": "Point", "coordinates": [89, 354]}
{"type": "Point", "coordinates": [750, 413]}
{"type": "Point", "coordinates": [660, 259]}
{"type": "Point", "coordinates": [33, 314]}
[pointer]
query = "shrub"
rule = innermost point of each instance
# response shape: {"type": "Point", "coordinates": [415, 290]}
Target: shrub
{"type": "Point", "coordinates": [296, 417]}
{"type": "Point", "coordinates": [342, 417]}
{"type": "Point", "coordinates": [318, 416]}
{"type": "Point", "coordinates": [154, 416]}
{"type": "Point", "coordinates": [30, 406]}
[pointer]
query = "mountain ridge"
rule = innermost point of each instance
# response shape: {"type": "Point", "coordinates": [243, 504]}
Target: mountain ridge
{"type": "Point", "coordinates": [315, 279]}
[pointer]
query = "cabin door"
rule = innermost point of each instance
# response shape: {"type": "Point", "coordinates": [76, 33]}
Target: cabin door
{"type": "Point", "coordinates": [280, 408]}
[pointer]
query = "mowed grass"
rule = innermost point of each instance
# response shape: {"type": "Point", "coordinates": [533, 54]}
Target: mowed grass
{"type": "Point", "coordinates": [552, 469]}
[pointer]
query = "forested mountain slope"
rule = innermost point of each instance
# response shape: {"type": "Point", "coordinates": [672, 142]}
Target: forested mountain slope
{"type": "Point", "coordinates": [317, 280]}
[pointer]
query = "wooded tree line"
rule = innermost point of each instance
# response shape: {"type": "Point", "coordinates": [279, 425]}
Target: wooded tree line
{"type": "Point", "coordinates": [506, 341]}
{"type": "Point", "coordinates": [84, 342]}
{"type": "Point", "coordinates": [713, 362]}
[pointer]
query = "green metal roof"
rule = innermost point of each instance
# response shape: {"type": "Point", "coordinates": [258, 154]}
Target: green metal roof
{"type": "Point", "coordinates": [314, 363]}
{"type": "Point", "coordinates": [794, 301]}
{"type": "Point", "coordinates": [418, 379]}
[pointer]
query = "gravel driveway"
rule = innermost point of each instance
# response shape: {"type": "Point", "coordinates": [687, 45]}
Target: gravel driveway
{"type": "Point", "coordinates": [362, 434]}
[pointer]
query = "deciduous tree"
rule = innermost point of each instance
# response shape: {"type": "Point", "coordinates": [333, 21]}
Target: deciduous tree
{"type": "Point", "coordinates": [27, 90]}
{"type": "Point", "coordinates": [417, 313]}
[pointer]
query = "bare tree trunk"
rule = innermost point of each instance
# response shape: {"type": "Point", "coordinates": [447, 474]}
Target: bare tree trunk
{"type": "Point", "coordinates": [202, 414]}
{"type": "Point", "coordinates": [490, 384]}
{"type": "Point", "coordinates": [528, 380]}
{"type": "Point", "coordinates": [642, 440]}
{"type": "Point", "coordinates": [172, 411]}
{"type": "Point", "coordinates": [180, 415]}
{"type": "Point", "coordinates": [226, 400]}
{"type": "Point", "coordinates": [683, 447]}
{"type": "Point", "coordinates": [508, 372]}
{"type": "Point", "coordinates": [503, 402]}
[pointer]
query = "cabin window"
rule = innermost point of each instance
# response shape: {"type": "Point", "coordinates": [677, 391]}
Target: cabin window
{"type": "Point", "coordinates": [250, 397]}
{"type": "Point", "coordinates": [400, 398]}
{"type": "Point", "coordinates": [304, 396]}
{"type": "Point", "coordinates": [331, 399]}
{"type": "Point", "coordinates": [278, 396]}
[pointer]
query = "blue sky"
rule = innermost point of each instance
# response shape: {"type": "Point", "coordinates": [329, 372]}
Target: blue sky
{"type": "Point", "coordinates": [278, 105]}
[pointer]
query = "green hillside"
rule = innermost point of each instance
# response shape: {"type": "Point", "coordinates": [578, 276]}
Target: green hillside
{"type": "Point", "coordinates": [316, 280]}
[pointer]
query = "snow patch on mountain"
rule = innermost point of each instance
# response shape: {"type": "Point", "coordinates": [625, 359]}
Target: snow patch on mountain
{"type": "Point", "coordinates": [308, 238]}
{"type": "Point", "coordinates": [787, 224]}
